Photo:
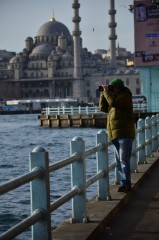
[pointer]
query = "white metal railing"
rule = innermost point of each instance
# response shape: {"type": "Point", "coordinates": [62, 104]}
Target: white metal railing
{"type": "Point", "coordinates": [145, 143]}
{"type": "Point", "coordinates": [139, 107]}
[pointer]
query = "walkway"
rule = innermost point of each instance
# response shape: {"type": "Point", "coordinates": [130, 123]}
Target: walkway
{"type": "Point", "coordinates": [133, 216]}
{"type": "Point", "coordinates": [139, 220]}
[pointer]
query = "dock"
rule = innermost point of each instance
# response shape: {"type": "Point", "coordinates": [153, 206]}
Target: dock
{"type": "Point", "coordinates": [96, 120]}
{"type": "Point", "coordinates": [134, 215]}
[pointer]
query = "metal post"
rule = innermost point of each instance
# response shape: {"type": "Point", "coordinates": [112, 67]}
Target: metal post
{"type": "Point", "coordinates": [63, 109]}
{"type": "Point", "coordinates": [148, 137]}
{"type": "Point", "coordinates": [40, 194]}
{"type": "Point", "coordinates": [87, 110]}
{"type": "Point", "coordinates": [78, 178]}
{"type": "Point", "coordinates": [117, 176]}
{"type": "Point", "coordinates": [154, 133]}
{"type": "Point", "coordinates": [141, 141]}
{"type": "Point", "coordinates": [102, 165]}
{"type": "Point", "coordinates": [58, 110]}
{"type": "Point", "coordinates": [71, 110]}
{"type": "Point", "coordinates": [133, 161]}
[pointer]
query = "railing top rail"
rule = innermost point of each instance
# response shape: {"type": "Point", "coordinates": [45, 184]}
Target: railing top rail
{"type": "Point", "coordinates": [19, 181]}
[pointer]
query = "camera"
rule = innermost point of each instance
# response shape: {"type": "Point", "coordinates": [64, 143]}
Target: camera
{"type": "Point", "coordinates": [110, 88]}
{"type": "Point", "coordinates": [100, 88]}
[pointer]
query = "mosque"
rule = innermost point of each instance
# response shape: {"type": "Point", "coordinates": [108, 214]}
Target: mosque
{"type": "Point", "coordinates": [55, 65]}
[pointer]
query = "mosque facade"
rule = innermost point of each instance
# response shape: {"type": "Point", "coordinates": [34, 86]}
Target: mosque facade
{"type": "Point", "coordinates": [55, 65]}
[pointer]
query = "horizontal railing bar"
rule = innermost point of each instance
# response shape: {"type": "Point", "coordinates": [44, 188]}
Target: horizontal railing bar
{"type": "Point", "coordinates": [65, 198]}
{"type": "Point", "coordinates": [148, 142]}
{"type": "Point", "coordinates": [93, 179]}
{"type": "Point", "coordinates": [19, 181]}
{"type": "Point", "coordinates": [73, 110]}
{"type": "Point", "coordinates": [142, 146]}
{"type": "Point", "coordinates": [140, 129]}
{"type": "Point", "coordinates": [67, 161]}
{"type": "Point", "coordinates": [64, 163]}
{"type": "Point", "coordinates": [22, 226]}
{"type": "Point", "coordinates": [112, 166]}
{"type": "Point", "coordinates": [93, 150]}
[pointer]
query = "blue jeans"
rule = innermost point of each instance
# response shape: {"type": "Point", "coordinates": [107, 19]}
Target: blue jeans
{"type": "Point", "coordinates": [123, 148]}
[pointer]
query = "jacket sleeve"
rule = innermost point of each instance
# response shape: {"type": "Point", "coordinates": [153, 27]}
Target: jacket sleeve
{"type": "Point", "coordinates": [122, 101]}
{"type": "Point", "coordinates": [103, 104]}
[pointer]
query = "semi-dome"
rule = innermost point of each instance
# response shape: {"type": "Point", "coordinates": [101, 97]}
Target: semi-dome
{"type": "Point", "coordinates": [44, 48]}
{"type": "Point", "coordinates": [53, 28]}
{"type": "Point", "coordinates": [67, 57]}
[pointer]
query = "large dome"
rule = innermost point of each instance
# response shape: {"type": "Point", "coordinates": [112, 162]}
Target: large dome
{"type": "Point", "coordinates": [53, 28]}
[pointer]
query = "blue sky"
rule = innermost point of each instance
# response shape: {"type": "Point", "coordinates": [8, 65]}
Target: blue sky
{"type": "Point", "coordinates": [20, 19]}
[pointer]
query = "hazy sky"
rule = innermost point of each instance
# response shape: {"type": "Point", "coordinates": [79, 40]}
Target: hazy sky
{"type": "Point", "coordinates": [22, 18]}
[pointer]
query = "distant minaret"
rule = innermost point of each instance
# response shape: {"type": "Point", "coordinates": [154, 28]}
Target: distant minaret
{"type": "Point", "coordinates": [78, 89]}
{"type": "Point", "coordinates": [112, 37]}
{"type": "Point", "coordinates": [76, 38]}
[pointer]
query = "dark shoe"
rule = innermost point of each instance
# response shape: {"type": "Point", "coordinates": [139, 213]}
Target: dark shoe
{"type": "Point", "coordinates": [124, 189]}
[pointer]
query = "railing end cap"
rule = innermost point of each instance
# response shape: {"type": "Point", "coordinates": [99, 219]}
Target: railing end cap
{"type": "Point", "coordinates": [77, 139]}
{"type": "Point", "coordinates": [39, 149]}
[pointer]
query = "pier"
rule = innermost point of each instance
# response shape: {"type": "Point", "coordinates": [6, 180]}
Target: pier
{"type": "Point", "coordinates": [82, 116]}
{"type": "Point", "coordinates": [89, 219]}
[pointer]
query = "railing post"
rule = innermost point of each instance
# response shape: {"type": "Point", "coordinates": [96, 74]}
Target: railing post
{"type": "Point", "coordinates": [133, 161]}
{"type": "Point", "coordinates": [87, 109]}
{"type": "Point", "coordinates": [63, 109]}
{"type": "Point", "coordinates": [117, 176]}
{"type": "Point", "coordinates": [141, 141]}
{"type": "Point", "coordinates": [58, 110]}
{"type": "Point", "coordinates": [40, 194]}
{"type": "Point", "coordinates": [71, 110]}
{"type": "Point", "coordinates": [148, 137]}
{"type": "Point", "coordinates": [102, 165]}
{"type": "Point", "coordinates": [154, 133]}
{"type": "Point", "coordinates": [47, 111]}
{"type": "Point", "coordinates": [78, 178]}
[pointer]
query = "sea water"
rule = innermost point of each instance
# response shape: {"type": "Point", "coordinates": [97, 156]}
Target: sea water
{"type": "Point", "coordinates": [19, 135]}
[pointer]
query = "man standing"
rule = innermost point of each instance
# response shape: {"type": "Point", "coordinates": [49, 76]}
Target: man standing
{"type": "Point", "coordinates": [117, 99]}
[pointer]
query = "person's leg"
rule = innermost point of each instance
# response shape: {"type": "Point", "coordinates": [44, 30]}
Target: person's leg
{"type": "Point", "coordinates": [117, 155]}
{"type": "Point", "coordinates": [122, 150]}
{"type": "Point", "coordinates": [125, 148]}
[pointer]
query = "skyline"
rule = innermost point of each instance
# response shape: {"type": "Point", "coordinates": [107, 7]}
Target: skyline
{"type": "Point", "coordinates": [20, 19]}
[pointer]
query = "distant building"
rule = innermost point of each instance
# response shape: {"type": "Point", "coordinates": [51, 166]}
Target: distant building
{"type": "Point", "coordinates": [49, 67]}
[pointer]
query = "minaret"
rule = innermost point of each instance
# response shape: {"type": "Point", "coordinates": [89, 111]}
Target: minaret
{"type": "Point", "coordinates": [76, 38]}
{"type": "Point", "coordinates": [112, 37]}
{"type": "Point", "coordinates": [77, 75]}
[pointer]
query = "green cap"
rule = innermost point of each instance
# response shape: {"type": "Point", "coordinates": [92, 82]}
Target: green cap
{"type": "Point", "coordinates": [117, 82]}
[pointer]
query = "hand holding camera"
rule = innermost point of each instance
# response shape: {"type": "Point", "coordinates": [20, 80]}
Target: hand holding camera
{"type": "Point", "coordinates": [105, 88]}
